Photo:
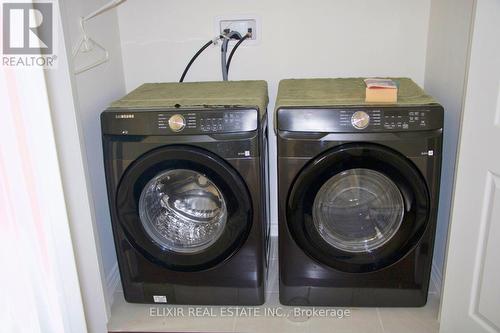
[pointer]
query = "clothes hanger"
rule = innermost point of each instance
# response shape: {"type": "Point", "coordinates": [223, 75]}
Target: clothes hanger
{"type": "Point", "coordinates": [87, 47]}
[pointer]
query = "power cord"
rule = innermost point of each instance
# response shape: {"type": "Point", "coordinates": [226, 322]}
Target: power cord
{"type": "Point", "coordinates": [200, 51]}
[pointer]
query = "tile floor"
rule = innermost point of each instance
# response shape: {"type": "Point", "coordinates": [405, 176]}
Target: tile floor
{"type": "Point", "coordinates": [152, 318]}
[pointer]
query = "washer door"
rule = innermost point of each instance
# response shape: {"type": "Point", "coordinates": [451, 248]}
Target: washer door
{"type": "Point", "coordinates": [358, 207]}
{"type": "Point", "coordinates": [184, 207]}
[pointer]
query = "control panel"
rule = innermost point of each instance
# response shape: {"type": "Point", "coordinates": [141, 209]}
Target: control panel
{"type": "Point", "coordinates": [361, 119]}
{"type": "Point", "coordinates": [383, 119]}
{"type": "Point", "coordinates": [178, 122]}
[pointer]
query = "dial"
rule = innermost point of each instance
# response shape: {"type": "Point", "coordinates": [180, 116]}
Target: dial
{"type": "Point", "coordinates": [177, 123]}
{"type": "Point", "coordinates": [360, 119]}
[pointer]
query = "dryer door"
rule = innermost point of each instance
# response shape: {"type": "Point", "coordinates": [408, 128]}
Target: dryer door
{"type": "Point", "coordinates": [358, 208]}
{"type": "Point", "coordinates": [184, 207]}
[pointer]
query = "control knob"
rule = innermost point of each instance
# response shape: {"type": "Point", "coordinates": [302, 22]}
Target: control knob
{"type": "Point", "coordinates": [176, 123]}
{"type": "Point", "coordinates": [360, 119]}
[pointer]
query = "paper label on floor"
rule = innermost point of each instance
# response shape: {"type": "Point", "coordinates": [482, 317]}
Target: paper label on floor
{"type": "Point", "coordinates": [159, 299]}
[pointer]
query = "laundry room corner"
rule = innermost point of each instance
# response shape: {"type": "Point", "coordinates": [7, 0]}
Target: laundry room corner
{"type": "Point", "coordinates": [445, 79]}
{"type": "Point", "coordinates": [77, 99]}
{"type": "Point", "coordinates": [149, 42]}
{"type": "Point", "coordinates": [94, 90]}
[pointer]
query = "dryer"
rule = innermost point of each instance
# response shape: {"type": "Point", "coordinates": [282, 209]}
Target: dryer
{"type": "Point", "coordinates": [358, 193]}
{"type": "Point", "coordinates": [186, 172]}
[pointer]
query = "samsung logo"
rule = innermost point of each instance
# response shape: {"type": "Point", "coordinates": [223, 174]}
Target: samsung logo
{"type": "Point", "coordinates": [124, 116]}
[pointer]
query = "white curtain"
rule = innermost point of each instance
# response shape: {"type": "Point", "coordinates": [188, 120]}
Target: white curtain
{"type": "Point", "coordinates": [39, 284]}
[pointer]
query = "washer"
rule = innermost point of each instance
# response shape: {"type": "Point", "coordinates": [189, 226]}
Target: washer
{"type": "Point", "coordinates": [186, 171]}
{"type": "Point", "coordinates": [358, 193]}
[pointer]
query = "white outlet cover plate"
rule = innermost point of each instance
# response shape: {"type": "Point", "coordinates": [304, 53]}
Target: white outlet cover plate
{"type": "Point", "coordinates": [225, 21]}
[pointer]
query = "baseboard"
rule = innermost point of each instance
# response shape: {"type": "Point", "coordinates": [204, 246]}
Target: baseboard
{"type": "Point", "coordinates": [436, 280]}
{"type": "Point", "coordinates": [112, 283]}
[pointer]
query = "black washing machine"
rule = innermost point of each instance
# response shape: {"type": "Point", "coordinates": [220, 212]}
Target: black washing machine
{"type": "Point", "coordinates": [186, 175]}
{"type": "Point", "coordinates": [358, 195]}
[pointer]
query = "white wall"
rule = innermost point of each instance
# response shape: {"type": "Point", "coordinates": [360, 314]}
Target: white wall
{"type": "Point", "coordinates": [94, 90]}
{"type": "Point", "coordinates": [72, 155]}
{"type": "Point", "coordinates": [445, 76]}
{"type": "Point", "coordinates": [316, 38]}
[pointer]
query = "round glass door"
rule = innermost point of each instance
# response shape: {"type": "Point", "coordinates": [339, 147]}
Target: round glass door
{"type": "Point", "coordinates": [358, 210]}
{"type": "Point", "coordinates": [183, 207]}
{"type": "Point", "coordinates": [183, 210]}
{"type": "Point", "coordinates": [358, 207]}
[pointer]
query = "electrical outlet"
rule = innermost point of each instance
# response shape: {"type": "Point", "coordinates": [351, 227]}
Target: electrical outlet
{"type": "Point", "coordinates": [241, 24]}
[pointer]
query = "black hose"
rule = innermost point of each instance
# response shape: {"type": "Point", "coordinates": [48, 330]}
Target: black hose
{"type": "Point", "coordinates": [210, 42]}
{"type": "Point", "coordinates": [223, 56]}
{"type": "Point", "coordinates": [234, 50]}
